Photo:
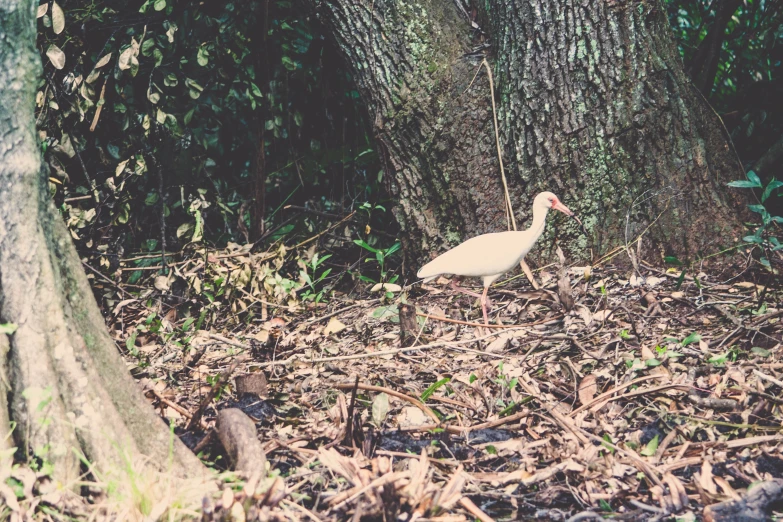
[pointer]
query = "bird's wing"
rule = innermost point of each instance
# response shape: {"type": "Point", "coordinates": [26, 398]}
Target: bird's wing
{"type": "Point", "coordinates": [482, 255]}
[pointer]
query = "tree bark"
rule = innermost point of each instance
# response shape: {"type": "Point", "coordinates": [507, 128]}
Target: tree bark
{"type": "Point", "coordinates": [593, 105]}
{"type": "Point", "coordinates": [70, 394]}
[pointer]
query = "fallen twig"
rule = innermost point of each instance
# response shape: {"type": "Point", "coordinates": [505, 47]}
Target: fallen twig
{"type": "Point", "coordinates": [380, 389]}
{"type": "Point", "coordinates": [611, 392]}
{"type": "Point", "coordinates": [474, 510]}
{"type": "Point", "coordinates": [482, 325]}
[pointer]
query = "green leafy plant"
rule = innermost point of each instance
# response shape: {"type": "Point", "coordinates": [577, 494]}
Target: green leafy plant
{"type": "Point", "coordinates": [763, 237]}
{"type": "Point", "coordinates": [433, 387]}
{"type": "Point", "coordinates": [313, 275]}
{"type": "Point", "coordinates": [692, 338]}
{"type": "Point", "coordinates": [381, 255]}
{"type": "Point", "coordinates": [651, 447]}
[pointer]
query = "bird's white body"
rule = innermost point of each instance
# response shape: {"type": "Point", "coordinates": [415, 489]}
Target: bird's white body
{"type": "Point", "coordinates": [489, 256]}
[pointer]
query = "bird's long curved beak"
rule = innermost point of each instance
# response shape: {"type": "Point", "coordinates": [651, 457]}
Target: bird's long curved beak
{"type": "Point", "coordinates": [568, 212]}
{"type": "Point", "coordinates": [562, 208]}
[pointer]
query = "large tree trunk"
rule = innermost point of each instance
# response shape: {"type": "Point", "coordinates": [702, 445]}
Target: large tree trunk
{"type": "Point", "coordinates": [593, 105]}
{"type": "Point", "coordinates": [62, 380]}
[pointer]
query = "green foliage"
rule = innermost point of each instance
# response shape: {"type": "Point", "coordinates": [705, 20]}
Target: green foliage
{"type": "Point", "coordinates": [193, 110]}
{"type": "Point", "coordinates": [766, 235]}
{"type": "Point", "coordinates": [749, 50]}
{"type": "Point", "coordinates": [381, 255]}
{"type": "Point", "coordinates": [313, 275]}
{"type": "Point", "coordinates": [433, 387]}
{"type": "Point", "coordinates": [7, 328]}
{"type": "Point", "coordinates": [748, 80]}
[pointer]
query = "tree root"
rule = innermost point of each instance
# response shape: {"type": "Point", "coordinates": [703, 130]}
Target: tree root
{"type": "Point", "coordinates": [237, 434]}
{"type": "Point", "coordinates": [753, 507]}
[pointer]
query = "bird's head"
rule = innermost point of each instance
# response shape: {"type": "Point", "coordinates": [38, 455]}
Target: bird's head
{"type": "Point", "coordinates": [549, 200]}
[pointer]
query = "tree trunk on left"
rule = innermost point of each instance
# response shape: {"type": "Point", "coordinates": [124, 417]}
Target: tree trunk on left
{"type": "Point", "coordinates": [65, 388]}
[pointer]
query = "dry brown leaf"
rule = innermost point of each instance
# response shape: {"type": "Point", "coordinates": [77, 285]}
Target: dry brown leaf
{"type": "Point", "coordinates": [499, 344]}
{"type": "Point", "coordinates": [334, 326]}
{"type": "Point", "coordinates": [58, 18]}
{"type": "Point", "coordinates": [587, 389]}
{"type": "Point", "coordinates": [705, 479]}
{"type": "Point", "coordinates": [56, 56]}
{"type": "Point", "coordinates": [412, 416]}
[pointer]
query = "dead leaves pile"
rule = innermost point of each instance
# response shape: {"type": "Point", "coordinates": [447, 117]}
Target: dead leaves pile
{"type": "Point", "coordinates": [652, 395]}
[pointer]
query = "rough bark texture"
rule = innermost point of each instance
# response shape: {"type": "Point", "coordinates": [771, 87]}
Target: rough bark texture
{"type": "Point", "coordinates": [69, 390]}
{"type": "Point", "coordinates": [755, 506]}
{"type": "Point", "coordinates": [596, 105]}
{"type": "Point", "coordinates": [593, 105]}
{"type": "Point", "coordinates": [239, 437]}
{"type": "Point", "coordinates": [434, 128]}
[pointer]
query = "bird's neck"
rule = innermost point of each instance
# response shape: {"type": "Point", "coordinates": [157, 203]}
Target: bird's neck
{"type": "Point", "coordinates": [539, 221]}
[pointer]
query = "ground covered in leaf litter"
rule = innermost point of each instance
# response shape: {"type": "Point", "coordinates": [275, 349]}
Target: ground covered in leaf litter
{"type": "Point", "coordinates": [654, 396]}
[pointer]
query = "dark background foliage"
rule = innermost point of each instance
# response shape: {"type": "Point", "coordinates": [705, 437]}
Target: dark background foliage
{"type": "Point", "coordinates": [733, 51]}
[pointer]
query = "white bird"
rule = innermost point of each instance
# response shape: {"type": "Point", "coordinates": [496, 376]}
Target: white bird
{"type": "Point", "coordinates": [489, 256]}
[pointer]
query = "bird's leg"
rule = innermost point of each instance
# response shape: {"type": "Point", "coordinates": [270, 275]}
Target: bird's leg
{"type": "Point", "coordinates": [484, 302]}
{"type": "Point", "coordinates": [529, 274]}
{"type": "Point", "coordinates": [458, 288]}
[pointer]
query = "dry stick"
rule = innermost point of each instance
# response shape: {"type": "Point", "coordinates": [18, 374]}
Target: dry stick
{"type": "Point", "coordinates": [195, 420]}
{"type": "Point", "coordinates": [665, 444]}
{"type": "Point", "coordinates": [303, 509]}
{"type": "Point", "coordinates": [204, 442]}
{"type": "Point", "coordinates": [769, 378]}
{"type": "Point", "coordinates": [99, 108]}
{"type": "Point", "coordinates": [509, 208]}
{"type": "Point", "coordinates": [349, 426]}
{"type": "Point", "coordinates": [728, 444]}
{"type": "Point", "coordinates": [339, 311]}
{"type": "Point", "coordinates": [367, 387]}
{"type": "Point", "coordinates": [173, 405]}
{"type": "Point", "coordinates": [389, 478]}
{"type": "Point", "coordinates": [115, 285]}
{"type": "Point", "coordinates": [459, 430]}
{"type": "Point", "coordinates": [451, 344]}
{"type": "Point", "coordinates": [256, 300]}
{"type": "Point", "coordinates": [761, 319]}
{"type": "Point", "coordinates": [684, 387]}
{"type": "Point", "coordinates": [482, 325]}
{"type": "Point", "coordinates": [226, 340]}
{"type": "Point", "coordinates": [474, 510]}
{"type": "Point", "coordinates": [343, 220]}
{"type": "Point", "coordinates": [447, 462]}
{"type": "Point", "coordinates": [611, 392]}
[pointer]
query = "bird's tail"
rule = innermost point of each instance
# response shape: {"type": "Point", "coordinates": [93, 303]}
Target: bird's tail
{"type": "Point", "coordinates": [429, 271]}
